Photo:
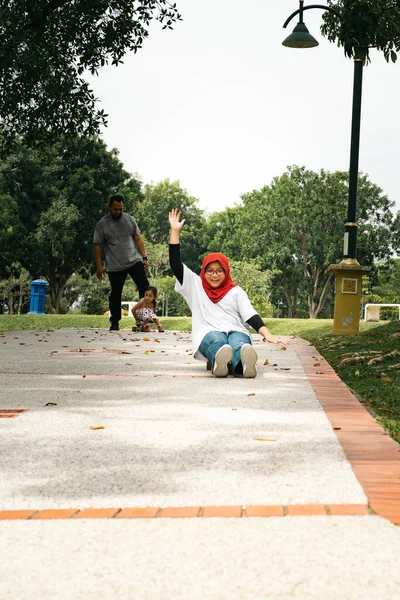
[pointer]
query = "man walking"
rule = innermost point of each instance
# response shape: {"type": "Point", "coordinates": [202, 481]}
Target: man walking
{"type": "Point", "coordinates": [125, 254]}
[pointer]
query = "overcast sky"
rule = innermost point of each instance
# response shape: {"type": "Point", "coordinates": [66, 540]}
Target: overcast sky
{"type": "Point", "coordinates": [220, 105]}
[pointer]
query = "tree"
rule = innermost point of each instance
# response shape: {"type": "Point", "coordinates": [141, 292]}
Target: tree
{"type": "Point", "coordinates": [294, 226]}
{"type": "Point", "coordinates": [61, 191]}
{"type": "Point", "coordinates": [158, 260]}
{"type": "Point", "coordinates": [364, 24]}
{"type": "Point", "coordinates": [224, 231]}
{"type": "Point", "coordinates": [8, 226]}
{"type": "Point", "coordinates": [387, 288]}
{"type": "Point", "coordinates": [14, 291]}
{"type": "Point", "coordinates": [171, 303]}
{"type": "Point", "coordinates": [151, 212]}
{"type": "Point", "coordinates": [47, 45]}
{"type": "Point", "coordinates": [256, 283]}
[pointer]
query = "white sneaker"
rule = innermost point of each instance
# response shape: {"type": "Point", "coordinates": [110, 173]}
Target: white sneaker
{"type": "Point", "coordinates": [249, 358]}
{"type": "Point", "coordinates": [222, 358]}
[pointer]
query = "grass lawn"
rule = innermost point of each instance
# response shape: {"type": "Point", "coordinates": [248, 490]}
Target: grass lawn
{"type": "Point", "coordinates": [369, 363]}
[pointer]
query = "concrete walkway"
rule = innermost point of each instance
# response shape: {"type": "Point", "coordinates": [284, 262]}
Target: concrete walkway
{"type": "Point", "coordinates": [127, 447]}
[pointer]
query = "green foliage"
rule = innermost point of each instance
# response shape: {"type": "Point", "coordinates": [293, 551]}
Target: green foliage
{"type": "Point", "coordinates": [151, 212]}
{"type": "Point", "coordinates": [60, 192]}
{"type": "Point", "coordinates": [294, 227]}
{"type": "Point", "coordinates": [46, 47]}
{"type": "Point", "coordinates": [377, 382]}
{"type": "Point", "coordinates": [14, 290]}
{"type": "Point", "coordinates": [225, 231]}
{"type": "Point", "coordinates": [256, 283]}
{"type": "Point", "coordinates": [170, 302]}
{"type": "Point", "coordinates": [364, 24]}
{"type": "Point", "coordinates": [158, 255]}
{"type": "Point", "coordinates": [8, 225]}
{"type": "Point", "coordinates": [386, 289]}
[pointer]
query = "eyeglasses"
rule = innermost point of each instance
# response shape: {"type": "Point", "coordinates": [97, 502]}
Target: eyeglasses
{"type": "Point", "coordinates": [217, 271]}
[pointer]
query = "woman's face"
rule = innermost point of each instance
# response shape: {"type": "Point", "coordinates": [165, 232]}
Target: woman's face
{"type": "Point", "coordinates": [214, 274]}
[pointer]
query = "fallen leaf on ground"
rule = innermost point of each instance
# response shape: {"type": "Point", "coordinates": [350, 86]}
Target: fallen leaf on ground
{"type": "Point", "coordinates": [97, 427]}
{"type": "Point", "coordinates": [283, 348]}
{"type": "Point", "coordinates": [385, 379]}
{"type": "Point", "coordinates": [266, 362]}
{"type": "Point", "coordinates": [51, 404]}
{"type": "Point", "coordinates": [84, 376]}
{"type": "Point", "coordinates": [234, 408]}
{"type": "Point", "coordinates": [146, 352]}
{"type": "Point", "coordinates": [156, 340]}
{"type": "Point", "coordinates": [252, 394]}
{"type": "Point", "coordinates": [319, 372]}
{"type": "Point", "coordinates": [387, 409]}
{"type": "Point", "coordinates": [357, 373]}
{"type": "Point", "coordinates": [285, 368]}
{"type": "Point", "coordinates": [317, 365]}
{"type": "Point", "coordinates": [336, 428]}
{"type": "Point", "coordinates": [146, 339]}
{"type": "Point", "coordinates": [264, 439]}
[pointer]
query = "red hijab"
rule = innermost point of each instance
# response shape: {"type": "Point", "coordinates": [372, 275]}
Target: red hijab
{"type": "Point", "coordinates": [216, 294]}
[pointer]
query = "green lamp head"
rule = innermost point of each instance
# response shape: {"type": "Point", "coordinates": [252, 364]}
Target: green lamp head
{"type": "Point", "coordinates": [300, 38]}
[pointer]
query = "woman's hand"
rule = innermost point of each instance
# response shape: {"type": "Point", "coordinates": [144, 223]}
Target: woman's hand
{"type": "Point", "coordinates": [268, 337]}
{"type": "Point", "coordinates": [174, 220]}
{"type": "Point", "coordinates": [275, 340]}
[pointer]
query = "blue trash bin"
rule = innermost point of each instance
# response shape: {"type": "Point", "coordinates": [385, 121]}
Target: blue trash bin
{"type": "Point", "coordinates": [38, 297]}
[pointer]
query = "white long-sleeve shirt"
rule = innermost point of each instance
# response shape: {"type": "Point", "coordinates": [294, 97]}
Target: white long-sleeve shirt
{"type": "Point", "coordinates": [229, 314]}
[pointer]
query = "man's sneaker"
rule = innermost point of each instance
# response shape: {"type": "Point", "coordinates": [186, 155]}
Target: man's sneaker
{"type": "Point", "coordinates": [222, 358]}
{"type": "Point", "coordinates": [146, 328]}
{"type": "Point", "coordinates": [161, 329]}
{"type": "Point", "coordinates": [248, 357]}
{"type": "Point", "coordinates": [114, 327]}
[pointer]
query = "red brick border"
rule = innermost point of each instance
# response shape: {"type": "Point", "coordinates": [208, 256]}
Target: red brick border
{"type": "Point", "coordinates": [11, 413]}
{"type": "Point", "coordinates": [188, 512]}
{"type": "Point", "coordinates": [372, 454]}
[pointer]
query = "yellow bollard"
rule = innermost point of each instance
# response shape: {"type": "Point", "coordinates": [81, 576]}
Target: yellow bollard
{"type": "Point", "coordinates": [346, 319]}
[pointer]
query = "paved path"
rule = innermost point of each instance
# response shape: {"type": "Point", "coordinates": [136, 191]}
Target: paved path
{"type": "Point", "coordinates": [127, 448]}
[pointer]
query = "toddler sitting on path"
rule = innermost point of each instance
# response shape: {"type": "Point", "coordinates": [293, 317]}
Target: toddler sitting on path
{"type": "Point", "coordinates": [145, 310]}
{"type": "Point", "coordinates": [221, 311]}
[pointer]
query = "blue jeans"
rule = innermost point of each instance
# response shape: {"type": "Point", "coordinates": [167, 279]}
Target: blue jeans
{"type": "Point", "coordinates": [213, 341]}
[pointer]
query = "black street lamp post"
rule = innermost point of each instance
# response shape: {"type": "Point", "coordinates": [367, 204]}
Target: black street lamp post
{"type": "Point", "coordinates": [301, 38]}
{"type": "Point", "coordinates": [348, 273]}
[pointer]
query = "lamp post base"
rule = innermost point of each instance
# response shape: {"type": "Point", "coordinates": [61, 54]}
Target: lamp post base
{"type": "Point", "coordinates": [348, 288]}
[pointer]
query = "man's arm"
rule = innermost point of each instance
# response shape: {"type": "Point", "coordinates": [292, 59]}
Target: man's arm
{"type": "Point", "coordinates": [98, 253]}
{"type": "Point", "coordinates": [140, 246]}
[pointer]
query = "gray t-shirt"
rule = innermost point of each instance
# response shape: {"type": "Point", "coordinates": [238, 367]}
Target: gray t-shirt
{"type": "Point", "coordinates": [116, 237]}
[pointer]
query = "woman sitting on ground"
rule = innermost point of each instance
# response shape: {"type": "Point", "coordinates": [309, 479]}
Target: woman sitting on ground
{"type": "Point", "coordinates": [220, 311]}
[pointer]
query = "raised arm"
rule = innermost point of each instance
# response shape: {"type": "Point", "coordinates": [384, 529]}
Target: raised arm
{"type": "Point", "coordinates": [174, 248]}
{"type": "Point", "coordinates": [176, 225]}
